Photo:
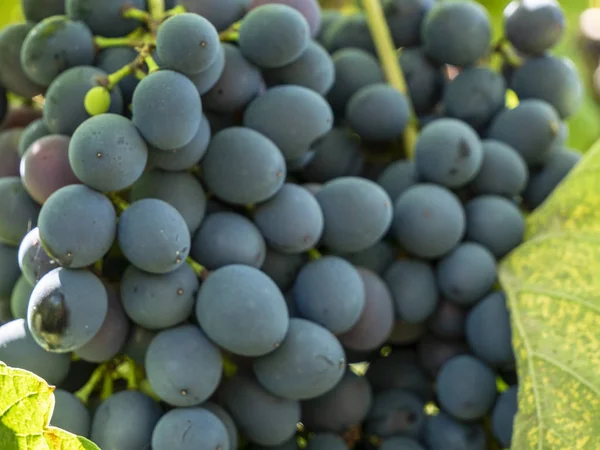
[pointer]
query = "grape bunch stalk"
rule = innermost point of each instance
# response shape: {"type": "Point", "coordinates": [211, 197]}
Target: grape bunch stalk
{"type": "Point", "coordinates": [265, 225]}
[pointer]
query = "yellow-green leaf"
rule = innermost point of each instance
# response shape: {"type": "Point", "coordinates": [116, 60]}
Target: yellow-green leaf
{"type": "Point", "coordinates": [26, 406]}
{"type": "Point", "coordinates": [58, 439]}
{"type": "Point", "coordinates": [553, 287]}
{"type": "Point", "coordinates": [585, 125]}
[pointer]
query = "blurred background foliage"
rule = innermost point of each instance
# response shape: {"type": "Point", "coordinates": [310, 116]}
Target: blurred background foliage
{"type": "Point", "coordinates": [584, 126]}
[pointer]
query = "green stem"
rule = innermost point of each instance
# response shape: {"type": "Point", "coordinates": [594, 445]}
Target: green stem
{"type": "Point", "coordinates": [152, 66]}
{"type": "Point", "coordinates": [389, 61]}
{"type": "Point", "coordinates": [127, 371]}
{"type": "Point", "coordinates": [179, 9]}
{"type": "Point", "coordinates": [200, 271]}
{"type": "Point", "coordinates": [145, 388]}
{"type": "Point", "coordinates": [116, 77]}
{"type": "Point", "coordinates": [108, 386]}
{"type": "Point", "coordinates": [88, 388]}
{"type": "Point", "coordinates": [314, 254]}
{"type": "Point", "coordinates": [508, 53]}
{"type": "Point", "coordinates": [137, 14]}
{"type": "Point", "coordinates": [156, 8]}
{"type": "Point", "coordinates": [103, 42]}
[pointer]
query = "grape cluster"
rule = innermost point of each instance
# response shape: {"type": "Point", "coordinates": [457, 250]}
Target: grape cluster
{"type": "Point", "coordinates": [213, 236]}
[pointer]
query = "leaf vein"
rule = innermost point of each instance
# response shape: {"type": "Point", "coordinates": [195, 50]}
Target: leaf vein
{"type": "Point", "coordinates": [566, 369]}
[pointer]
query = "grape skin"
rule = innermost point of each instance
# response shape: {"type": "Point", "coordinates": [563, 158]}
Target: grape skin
{"type": "Point", "coordinates": [19, 299]}
{"type": "Point", "coordinates": [308, 8]}
{"type": "Point", "coordinates": [9, 269]}
{"type": "Point", "coordinates": [34, 131]}
{"type": "Point", "coordinates": [503, 416]}
{"type": "Point", "coordinates": [237, 300]}
{"type": "Point", "coordinates": [37, 10]}
{"type": "Point", "coordinates": [18, 212]}
{"type": "Point", "coordinates": [183, 367]}
{"type": "Point", "coordinates": [10, 141]}
{"type": "Point", "coordinates": [167, 109]}
{"type": "Point", "coordinates": [70, 414]}
{"type": "Point", "coordinates": [273, 35]}
{"type": "Point", "coordinates": [77, 226]}
{"type": "Point", "coordinates": [104, 18]}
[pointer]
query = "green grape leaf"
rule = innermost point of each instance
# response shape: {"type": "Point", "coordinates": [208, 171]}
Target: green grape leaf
{"type": "Point", "coordinates": [26, 405]}
{"type": "Point", "coordinates": [58, 439]}
{"type": "Point", "coordinates": [552, 283]}
{"type": "Point", "coordinates": [584, 126]}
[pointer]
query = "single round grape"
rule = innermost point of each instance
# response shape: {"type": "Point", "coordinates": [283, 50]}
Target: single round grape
{"type": "Point", "coordinates": [457, 33]}
{"type": "Point", "coordinates": [543, 182]}
{"type": "Point", "coordinates": [125, 421]}
{"type": "Point", "coordinates": [329, 291]}
{"type": "Point", "coordinates": [503, 171]}
{"type": "Point", "coordinates": [466, 274]}
{"type": "Point", "coordinates": [45, 167]}
{"type": "Point", "coordinates": [12, 75]}
{"type": "Point", "coordinates": [343, 407]}
{"type": "Point", "coordinates": [293, 130]}
{"type": "Point", "coordinates": [67, 309]}
{"type": "Point", "coordinates": [291, 221]}
{"type": "Point", "coordinates": [273, 35]}
{"type": "Point", "coordinates": [107, 153]}
{"type": "Point", "coordinates": [18, 212]}
{"type": "Point", "coordinates": [494, 222]}
{"type": "Point", "coordinates": [167, 109]}
{"type": "Point", "coordinates": [261, 417]}
{"type": "Point", "coordinates": [534, 26]}
{"type": "Point", "coordinates": [237, 300]}
{"type": "Point", "coordinates": [475, 96]}
{"type": "Point", "coordinates": [159, 301]}
{"type": "Point", "coordinates": [552, 79]}
{"type": "Point", "coordinates": [185, 157]}
{"type": "Point", "coordinates": [34, 131]}
{"type": "Point", "coordinates": [239, 82]}
{"type": "Point", "coordinates": [314, 70]}
{"type": "Point", "coordinates": [466, 388]}
{"type": "Point", "coordinates": [532, 129]}
{"type": "Point", "coordinates": [190, 429]}
{"type": "Point", "coordinates": [243, 167]}
{"type": "Point", "coordinates": [77, 226]}
{"type": "Point", "coordinates": [104, 18]}
{"type": "Point", "coordinates": [64, 109]}
{"type": "Point", "coordinates": [354, 69]}
{"type": "Point", "coordinates": [357, 213]}
{"type": "Point", "coordinates": [70, 414]}
{"type": "Point", "coordinates": [153, 236]}
{"type": "Point", "coordinates": [48, 49]}
{"type": "Point", "coordinates": [19, 349]}
{"type": "Point", "coordinates": [179, 189]}
{"type": "Point", "coordinates": [377, 318]}
{"type": "Point", "coordinates": [187, 43]}
{"type": "Point", "coordinates": [413, 288]}
{"type": "Point", "coordinates": [429, 220]}
{"type": "Point", "coordinates": [337, 154]}
{"type": "Point", "coordinates": [503, 416]}
{"type": "Point", "coordinates": [378, 112]}
{"type": "Point", "coordinates": [183, 366]}
{"type": "Point", "coordinates": [309, 362]}
{"type": "Point", "coordinates": [489, 333]}
{"type": "Point", "coordinates": [448, 152]}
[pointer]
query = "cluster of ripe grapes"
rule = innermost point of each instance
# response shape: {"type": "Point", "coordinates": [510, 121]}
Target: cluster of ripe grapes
{"type": "Point", "coordinates": [212, 237]}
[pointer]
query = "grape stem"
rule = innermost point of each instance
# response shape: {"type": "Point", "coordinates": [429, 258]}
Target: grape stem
{"type": "Point", "coordinates": [179, 9]}
{"type": "Point", "coordinates": [90, 386]}
{"type": "Point", "coordinates": [508, 53]}
{"type": "Point", "coordinates": [129, 12]}
{"type": "Point", "coordinates": [157, 9]}
{"type": "Point", "coordinates": [103, 42]}
{"type": "Point", "coordinates": [151, 63]}
{"type": "Point", "coordinates": [231, 34]}
{"type": "Point", "coordinates": [314, 254]}
{"type": "Point", "coordinates": [116, 77]}
{"type": "Point", "coordinates": [121, 205]}
{"type": "Point", "coordinates": [391, 67]}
